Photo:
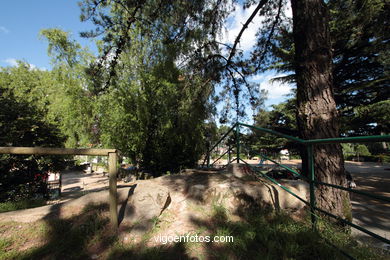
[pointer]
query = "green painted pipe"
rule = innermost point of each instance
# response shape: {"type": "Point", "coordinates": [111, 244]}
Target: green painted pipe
{"type": "Point", "coordinates": [285, 167]}
{"type": "Point", "coordinates": [223, 137]}
{"type": "Point", "coordinates": [354, 225]}
{"type": "Point", "coordinates": [238, 141]}
{"type": "Point", "coordinates": [356, 139]}
{"type": "Point", "coordinates": [292, 138]}
{"type": "Point", "coordinates": [355, 191]}
{"type": "Point", "coordinates": [277, 183]}
{"type": "Point", "coordinates": [228, 151]}
{"type": "Point", "coordinates": [312, 191]}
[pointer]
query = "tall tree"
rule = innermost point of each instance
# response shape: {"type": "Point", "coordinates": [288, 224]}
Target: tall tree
{"type": "Point", "coordinates": [359, 39]}
{"type": "Point", "coordinates": [317, 114]}
{"type": "Point", "coordinates": [196, 24]}
{"type": "Point", "coordinates": [71, 104]}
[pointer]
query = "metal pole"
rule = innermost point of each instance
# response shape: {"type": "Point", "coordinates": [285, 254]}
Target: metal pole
{"type": "Point", "coordinates": [238, 141]}
{"type": "Point", "coordinates": [208, 153]}
{"type": "Point", "coordinates": [113, 199]}
{"type": "Point", "coordinates": [229, 158]}
{"type": "Point", "coordinates": [208, 159]}
{"type": "Point", "coordinates": [311, 176]}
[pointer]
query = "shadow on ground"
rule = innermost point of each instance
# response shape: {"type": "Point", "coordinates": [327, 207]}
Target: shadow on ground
{"type": "Point", "coordinates": [260, 233]}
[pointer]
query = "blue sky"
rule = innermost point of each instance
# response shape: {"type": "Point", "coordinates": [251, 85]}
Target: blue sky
{"type": "Point", "coordinates": [21, 21]}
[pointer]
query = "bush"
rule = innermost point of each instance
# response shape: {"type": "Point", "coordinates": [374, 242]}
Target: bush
{"type": "Point", "coordinates": [21, 124]}
{"type": "Point", "coordinates": [21, 204]}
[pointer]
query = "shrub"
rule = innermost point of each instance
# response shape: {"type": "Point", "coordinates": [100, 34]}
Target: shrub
{"type": "Point", "coordinates": [21, 124]}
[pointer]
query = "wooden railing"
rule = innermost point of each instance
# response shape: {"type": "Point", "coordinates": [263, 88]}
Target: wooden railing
{"type": "Point", "coordinates": [112, 167]}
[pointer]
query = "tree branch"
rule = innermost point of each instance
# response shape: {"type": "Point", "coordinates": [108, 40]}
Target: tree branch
{"type": "Point", "coordinates": [270, 35]}
{"type": "Point", "coordinates": [244, 27]}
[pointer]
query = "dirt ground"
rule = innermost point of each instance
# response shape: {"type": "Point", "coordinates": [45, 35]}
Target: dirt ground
{"type": "Point", "coordinates": [78, 183]}
{"type": "Point", "coordinates": [367, 212]}
{"type": "Point", "coordinates": [370, 213]}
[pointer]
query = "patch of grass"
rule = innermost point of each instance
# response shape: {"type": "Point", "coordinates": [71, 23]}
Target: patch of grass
{"type": "Point", "coordinates": [265, 234]}
{"type": "Point", "coordinates": [260, 234]}
{"type": "Point", "coordinates": [22, 204]}
{"type": "Point", "coordinates": [17, 237]}
{"type": "Point", "coordinates": [71, 238]}
{"type": "Point", "coordinates": [175, 251]}
{"type": "Point", "coordinates": [4, 244]}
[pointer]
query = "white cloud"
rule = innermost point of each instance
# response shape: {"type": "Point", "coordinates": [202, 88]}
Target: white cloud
{"type": "Point", "coordinates": [14, 62]}
{"type": "Point", "coordinates": [288, 10]}
{"type": "Point", "coordinates": [236, 20]}
{"type": "Point", "coordinates": [11, 62]}
{"type": "Point", "coordinates": [4, 30]}
{"type": "Point", "coordinates": [234, 24]}
{"type": "Point", "coordinates": [276, 90]}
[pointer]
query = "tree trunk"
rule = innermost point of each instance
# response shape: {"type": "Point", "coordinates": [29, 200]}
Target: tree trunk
{"type": "Point", "coordinates": [316, 107]}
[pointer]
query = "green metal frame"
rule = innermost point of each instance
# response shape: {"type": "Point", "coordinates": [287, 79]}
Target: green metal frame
{"type": "Point", "coordinates": [311, 176]}
{"type": "Point", "coordinates": [220, 157]}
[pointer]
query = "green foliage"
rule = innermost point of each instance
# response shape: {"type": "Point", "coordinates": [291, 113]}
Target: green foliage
{"type": "Point", "coordinates": [152, 112]}
{"type": "Point", "coordinates": [21, 204]}
{"type": "Point", "coordinates": [57, 95]}
{"type": "Point", "coordinates": [355, 149]}
{"type": "Point", "coordinates": [22, 124]}
{"type": "Point", "coordinates": [367, 153]}
{"type": "Point", "coordinates": [152, 116]}
{"type": "Point", "coordinates": [281, 119]}
{"type": "Point", "coordinates": [361, 61]}
{"type": "Point", "coordinates": [71, 101]}
{"type": "Point", "coordinates": [373, 118]}
{"type": "Point", "coordinates": [361, 149]}
{"type": "Point", "coordinates": [60, 47]}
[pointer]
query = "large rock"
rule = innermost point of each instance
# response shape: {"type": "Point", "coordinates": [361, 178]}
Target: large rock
{"type": "Point", "coordinates": [141, 204]}
{"type": "Point", "coordinates": [235, 193]}
{"type": "Point", "coordinates": [145, 204]}
{"type": "Point", "coordinates": [240, 170]}
{"type": "Point", "coordinates": [236, 188]}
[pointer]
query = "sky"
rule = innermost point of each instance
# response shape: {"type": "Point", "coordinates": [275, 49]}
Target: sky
{"type": "Point", "coordinates": [277, 92]}
{"type": "Point", "coordinates": [21, 21]}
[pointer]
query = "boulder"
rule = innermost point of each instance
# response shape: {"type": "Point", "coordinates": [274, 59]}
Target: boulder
{"type": "Point", "coordinates": [145, 205]}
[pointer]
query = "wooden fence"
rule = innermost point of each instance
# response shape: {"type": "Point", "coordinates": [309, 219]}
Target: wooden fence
{"type": "Point", "coordinates": [112, 167]}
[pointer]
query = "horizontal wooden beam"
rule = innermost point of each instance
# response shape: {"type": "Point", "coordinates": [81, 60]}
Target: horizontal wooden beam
{"type": "Point", "coordinates": [56, 151]}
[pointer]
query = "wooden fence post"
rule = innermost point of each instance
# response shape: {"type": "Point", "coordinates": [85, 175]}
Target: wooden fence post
{"type": "Point", "coordinates": [113, 199]}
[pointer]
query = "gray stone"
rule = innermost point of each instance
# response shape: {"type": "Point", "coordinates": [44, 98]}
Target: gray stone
{"type": "Point", "coordinates": [147, 202]}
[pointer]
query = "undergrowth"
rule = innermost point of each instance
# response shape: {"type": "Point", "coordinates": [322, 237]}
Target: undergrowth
{"type": "Point", "coordinates": [260, 234]}
{"type": "Point", "coordinates": [21, 204]}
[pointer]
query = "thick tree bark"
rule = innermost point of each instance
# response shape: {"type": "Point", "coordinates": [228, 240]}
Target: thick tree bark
{"type": "Point", "coordinates": [317, 114]}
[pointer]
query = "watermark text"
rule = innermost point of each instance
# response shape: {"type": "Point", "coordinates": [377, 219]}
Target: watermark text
{"type": "Point", "coordinates": [193, 239]}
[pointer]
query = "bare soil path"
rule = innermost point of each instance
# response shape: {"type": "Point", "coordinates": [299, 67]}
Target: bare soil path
{"type": "Point", "coordinates": [78, 183]}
